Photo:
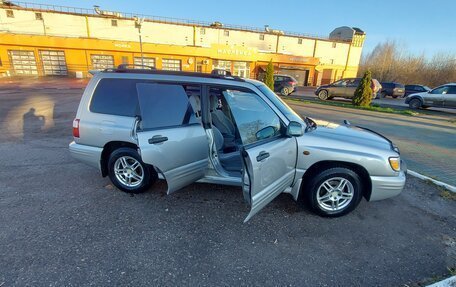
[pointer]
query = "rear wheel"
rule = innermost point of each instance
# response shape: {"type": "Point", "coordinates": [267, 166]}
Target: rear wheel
{"type": "Point", "coordinates": [383, 95]}
{"type": "Point", "coordinates": [415, 104]}
{"type": "Point", "coordinates": [128, 172]}
{"type": "Point", "coordinates": [394, 97]}
{"type": "Point", "coordinates": [285, 91]}
{"type": "Point", "coordinates": [333, 192]}
{"type": "Point", "coordinates": [323, 95]}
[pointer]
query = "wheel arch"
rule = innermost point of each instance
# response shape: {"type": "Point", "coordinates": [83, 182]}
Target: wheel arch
{"type": "Point", "coordinates": [323, 165]}
{"type": "Point", "coordinates": [108, 148]}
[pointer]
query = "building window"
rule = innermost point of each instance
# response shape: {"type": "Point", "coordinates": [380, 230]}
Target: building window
{"type": "Point", "coordinates": [54, 63]}
{"type": "Point", "coordinates": [241, 69]}
{"type": "Point", "coordinates": [114, 23]}
{"type": "Point", "coordinates": [124, 59]}
{"type": "Point", "coordinates": [171, 65]}
{"type": "Point", "coordinates": [334, 45]}
{"type": "Point", "coordinates": [150, 62]}
{"type": "Point", "coordinates": [203, 31]}
{"type": "Point", "coordinates": [101, 62]}
{"type": "Point", "coordinates": [226, 33]}
{"type": "Point", "coordinates": [38, 16]}
{"type": "Point", "coordinates": [9, 13]}
{"type": "Point", "coordinates": [331, 61]}
{"type": "Point", "coordinates": [299, 41]}
{"type": "Point", "coordinates": [221, 65]}
{"type": "Point", "coordinates": [261, 36]}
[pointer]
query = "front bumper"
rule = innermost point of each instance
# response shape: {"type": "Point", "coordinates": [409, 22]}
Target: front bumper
{"type": "Point", "coordinates": [87, 154]}
{"type": "Point", "coordinates": [388, 186]}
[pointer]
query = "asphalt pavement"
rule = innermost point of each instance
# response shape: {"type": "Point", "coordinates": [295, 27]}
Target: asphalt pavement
{"type": "Point", "coordinates": [62, 224]}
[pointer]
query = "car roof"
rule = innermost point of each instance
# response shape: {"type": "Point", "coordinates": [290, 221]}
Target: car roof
{"type": "Point", "coordinates": [197, 78]}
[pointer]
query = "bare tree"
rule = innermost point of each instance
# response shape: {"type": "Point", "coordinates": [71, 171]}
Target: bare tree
{"type": "Point", "coordinates": [391, 62]}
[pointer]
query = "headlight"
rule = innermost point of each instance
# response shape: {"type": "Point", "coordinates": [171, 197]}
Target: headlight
{"type": "Point", "coordinates": [395, 163]}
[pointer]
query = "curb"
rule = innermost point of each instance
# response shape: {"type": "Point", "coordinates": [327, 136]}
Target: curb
{"type": "Point", "coordinates": [436, 182]}
{"type": "Point", "coordinates": [449, 282]}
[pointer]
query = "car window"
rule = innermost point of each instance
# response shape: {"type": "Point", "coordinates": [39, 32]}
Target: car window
{"type": "Point", "coordinates": [340, 83]}
{"type": "Point", "coordinates": [355, 82]}
{"type": "Point", "coordinates": [452, 90]}
{"type": "Point", "coordinates": [440, 90]}
{"type": "Point", "coordinates": [165, 105]}
{"type": "Point", "coordinates": [278, 79]}
{"type": "Point", "coordinates": [254, 118]}
{"type": "Point", "coordinates": [115, 97]}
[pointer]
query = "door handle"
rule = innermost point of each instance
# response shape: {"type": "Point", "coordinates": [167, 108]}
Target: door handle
{"type": "Point", "coordinates": [157, 139]}
{"type": "Point", "coordinates": [262, 155]}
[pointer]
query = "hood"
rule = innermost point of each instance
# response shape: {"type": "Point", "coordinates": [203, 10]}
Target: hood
{"type": "Point", "coordinates": [350, 137]}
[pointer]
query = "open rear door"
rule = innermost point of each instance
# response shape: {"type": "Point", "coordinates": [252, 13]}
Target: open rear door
{"type": "Point", "coordinates": [268, 170]}
{"type": "Point", "coordinates": [171, 138]}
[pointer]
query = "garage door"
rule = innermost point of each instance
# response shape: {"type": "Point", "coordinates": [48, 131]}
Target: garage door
{"type": "Point", "coordinates": [101, 62]}
{"type": "Point", "coordinates": [302, 76]}
{"type": "Point", "coordinates": [326, 77]}
{"type": "Point", "coordinates": [23, 62]}
{"type": "Point", "coordinates": [54, 63]}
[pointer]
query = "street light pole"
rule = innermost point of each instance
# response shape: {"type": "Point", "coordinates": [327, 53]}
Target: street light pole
{"type": "Point", "coordinates": [138, 23]}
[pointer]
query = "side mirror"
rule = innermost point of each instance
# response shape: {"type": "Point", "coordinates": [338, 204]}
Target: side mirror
{"type": "Point", "coordinates": [295, 129]}
{"type": "Point", "coordinates": [265, 133]}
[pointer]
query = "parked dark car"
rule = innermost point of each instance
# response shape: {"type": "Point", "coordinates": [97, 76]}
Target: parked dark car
{"type": "Point", "coordinates": [392, 90]}
{"type": "Point", "coordinates": [344, 88]}
{"type": "Point", "coordinates": [284, 84]}
{"type": "Point", "coordinates": [413, 89]}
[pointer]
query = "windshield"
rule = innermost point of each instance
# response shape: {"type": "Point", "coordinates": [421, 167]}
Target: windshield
{"type": "Point", "coordinates": [280, 104]}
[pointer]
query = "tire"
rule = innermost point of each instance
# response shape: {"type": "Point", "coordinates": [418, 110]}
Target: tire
{"type": "Point", "coordinates": [323, 197]}
{"type": "Point", "coordinates": [285, 91]}
{"type": "Point", "coordinates": [394, 97]}
{"type": "Point", "coordinates": [383, 95]}
{"type": "Point", "coordinates": [140, 175]}
{"type": "Point", "coordinates": [323, 95]}
{"type": "Point", "coordinates": [415, 104]}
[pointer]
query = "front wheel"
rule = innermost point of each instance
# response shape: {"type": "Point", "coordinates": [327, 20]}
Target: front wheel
{"type": "Point", "coordinates": [128, 172]}
{"type": "Point", "coordinates": [323, 95]}
{"type": "Point", "coordinates": [415, 104]}
{"type": "Point", "coordinates": [334, 192]}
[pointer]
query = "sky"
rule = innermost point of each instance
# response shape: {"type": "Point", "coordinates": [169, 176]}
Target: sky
{"type": "Point", "coordinates": [420, 26]}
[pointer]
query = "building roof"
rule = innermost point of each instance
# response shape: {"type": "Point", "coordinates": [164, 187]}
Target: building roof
{"type": "Point", "coordinates": [127, 15]}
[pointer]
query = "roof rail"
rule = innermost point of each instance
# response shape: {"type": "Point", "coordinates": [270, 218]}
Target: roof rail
{"type": "Point", "coordinates": [215, 74]}
{"type": "Point", "coordinates": [132, 66]}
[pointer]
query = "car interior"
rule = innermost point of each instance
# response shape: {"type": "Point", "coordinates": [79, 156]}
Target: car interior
{"type": "Point", "coordinates": [226, 135]}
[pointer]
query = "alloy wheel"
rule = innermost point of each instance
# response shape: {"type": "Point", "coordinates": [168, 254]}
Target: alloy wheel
{"type": "Point", "coordinates": [128, 171]}
{"type": "Point", "coordinates": [335, 194]}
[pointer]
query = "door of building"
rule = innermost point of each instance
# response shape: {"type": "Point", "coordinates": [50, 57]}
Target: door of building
{"type": "Point", "coordinates": [302, 76]}
{"type": "Point", "coordinates": [54, 63]}
{"type": "Point", "coordinates": [23, 62]}
{"type": "Point", "coordinates": [326, 77]}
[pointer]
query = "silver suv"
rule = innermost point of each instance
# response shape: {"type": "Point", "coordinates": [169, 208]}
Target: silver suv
{"type": "Point", "coordinates": [137, 125]}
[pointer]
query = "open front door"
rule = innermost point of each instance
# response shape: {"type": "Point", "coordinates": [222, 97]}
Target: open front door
{"type": "Point", "coordinates": [171, 137]}
{"type": "Point", "coordinates": [268, 170]}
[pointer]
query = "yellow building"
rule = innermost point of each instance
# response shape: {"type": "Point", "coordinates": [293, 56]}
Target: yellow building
{"type": "Point", "coordinates": [38, 39]}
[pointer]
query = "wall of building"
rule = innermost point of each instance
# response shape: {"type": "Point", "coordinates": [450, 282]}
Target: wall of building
{"type": "Point", "coordinates": [120, 38]}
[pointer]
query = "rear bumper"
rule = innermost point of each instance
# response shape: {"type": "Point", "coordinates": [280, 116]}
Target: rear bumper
{"type": "Point", "coordinates": [87, 154]}
{"type": "Point", "coordinates": [388, 186]}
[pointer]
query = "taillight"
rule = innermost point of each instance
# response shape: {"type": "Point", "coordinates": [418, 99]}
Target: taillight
{"type": "Point", "coordinates": [292, 83]}
{"type": "Point", "coordinates": [373, 86]}
{"type": "Point", "coordinates": [76, 128]}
